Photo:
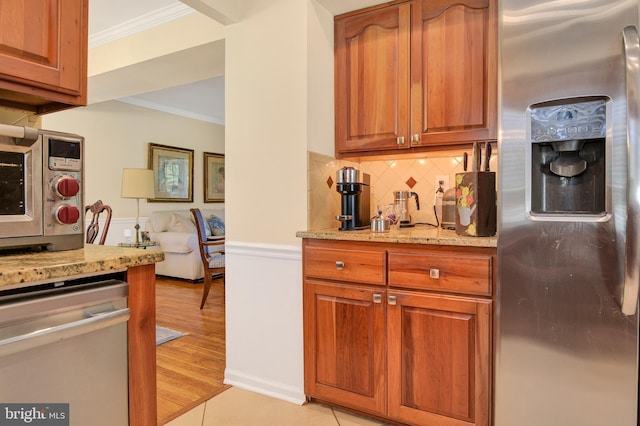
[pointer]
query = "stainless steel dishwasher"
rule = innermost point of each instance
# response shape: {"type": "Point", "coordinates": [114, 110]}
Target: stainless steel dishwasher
{"type": "Point", "coordinates": [65, 342]}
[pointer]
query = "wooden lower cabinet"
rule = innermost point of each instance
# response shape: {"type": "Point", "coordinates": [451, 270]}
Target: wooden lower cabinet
{"type": "Point", "coordinates": [345, 345]}
{"type": "Point", "coordinates": [438, 359]}
{"type": "Point", "coordinates": [416, 357]}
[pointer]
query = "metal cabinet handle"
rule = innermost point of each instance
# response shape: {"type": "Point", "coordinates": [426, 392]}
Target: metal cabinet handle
{"type": "Point", "coordinates": [377, 298]}
{"type": "Point", "coordinates": [415, 138]}
{"type": "Point", "coordinates": [339, 265]}
{"type": "Point", "coordinates": [391, 300]}
{"type": "Point", "coordinates": [400, 140]}
{"type": "Point", "coordinates": [434, 273]}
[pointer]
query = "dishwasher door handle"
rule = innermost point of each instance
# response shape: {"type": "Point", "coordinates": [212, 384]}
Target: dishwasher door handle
{"type": "Point", "coordinates": [48, 335]}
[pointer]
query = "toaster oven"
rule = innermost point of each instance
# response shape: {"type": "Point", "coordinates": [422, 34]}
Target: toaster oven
{"type": "Point", "coordinates": [41, 189]}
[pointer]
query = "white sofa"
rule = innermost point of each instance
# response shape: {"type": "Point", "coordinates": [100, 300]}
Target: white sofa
{"type": "Point", "coordinates": [175, 233]}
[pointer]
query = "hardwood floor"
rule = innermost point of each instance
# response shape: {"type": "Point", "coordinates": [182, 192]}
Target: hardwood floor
{"type": "Point", "coordinates": [190, 369]}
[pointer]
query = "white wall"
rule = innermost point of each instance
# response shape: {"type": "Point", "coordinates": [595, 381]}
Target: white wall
{"type": "Point", "coordinates": [272, 103]}
{"type": "Point", "coordinates": [117, 136]}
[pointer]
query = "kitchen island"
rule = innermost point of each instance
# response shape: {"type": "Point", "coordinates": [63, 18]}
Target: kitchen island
{"type": "Point", "coordinates": [27, 269]}
{"type": "Point", "coordinates": [398, 324]}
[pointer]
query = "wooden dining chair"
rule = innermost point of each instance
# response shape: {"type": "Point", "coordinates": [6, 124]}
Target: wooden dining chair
{"type": "Point", "coordinates": [94, 227]}
{"type": "Point", "coordinates": [212, 254]}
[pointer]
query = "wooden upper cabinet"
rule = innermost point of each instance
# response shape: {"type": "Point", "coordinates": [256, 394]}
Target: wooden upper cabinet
{"type": "Point", "coordinates": [372, 80]}
{"type": "Point", "coordinates": [454, 72]}
{"type": "Point", "coordinates": [415, 75]}
{"type": "Point", "coordinates": [43, 54]}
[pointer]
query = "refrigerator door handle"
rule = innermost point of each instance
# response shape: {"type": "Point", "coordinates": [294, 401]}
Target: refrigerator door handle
{"type": "Point", "coordinates": [631, 42]}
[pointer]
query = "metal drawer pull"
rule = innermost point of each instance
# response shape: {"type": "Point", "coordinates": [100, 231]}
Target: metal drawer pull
{"type": "Point", "coordinates": [377, 298]}
{"type": "Point", "coordinates": [339, 265]}
{"type": "Point", "coordinates": [400, 140]}
{"type": "Point", "coordinates": [415, 138]}
{"type": "Point", "coordinates": [391, 300]}
{"type": "Point", "coordinates": [434, 273]}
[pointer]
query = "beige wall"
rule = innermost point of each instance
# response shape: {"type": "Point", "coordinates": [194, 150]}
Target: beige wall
{"type": "Point", "coordinates": [117, 136]}
{"type": "Point", "coordinates": [267, 121]}
{"type": "Point", "coordinates": [320, 98]}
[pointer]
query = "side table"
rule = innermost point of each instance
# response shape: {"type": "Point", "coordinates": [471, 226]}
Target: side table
{"type": "Point", "coordinates": [138, 245]}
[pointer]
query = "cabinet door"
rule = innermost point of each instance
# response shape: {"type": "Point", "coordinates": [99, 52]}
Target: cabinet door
{"type": "Point", "coordinates": [344, 345]}
{"type": "Point", "coordinates": [372, 80]}
{"type": "Point", "coordinates": [438, 359]}
{"type": "Point", "coordinates": [43, 45]}
{"type": "Point", "coordinates": [454, 71]}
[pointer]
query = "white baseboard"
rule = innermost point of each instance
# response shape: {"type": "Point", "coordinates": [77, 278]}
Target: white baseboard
{"type": "Point", "coordinates": [273, 389]}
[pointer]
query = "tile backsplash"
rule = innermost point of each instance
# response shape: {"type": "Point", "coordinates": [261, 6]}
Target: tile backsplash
{"type": "Point", "coordinates": [416, 174]}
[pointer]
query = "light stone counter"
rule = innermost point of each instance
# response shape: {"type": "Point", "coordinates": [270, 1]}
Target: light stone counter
{"type": "Point", "coordinates": [416, 235]}
{"type": "Point", "coordinates": [20, 270]}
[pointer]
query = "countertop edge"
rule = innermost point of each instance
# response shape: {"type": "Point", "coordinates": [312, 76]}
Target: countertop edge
{"type": "Point", "coordinates": [402, 236]}
{"type": "Point", "coordinates": [25, 269]}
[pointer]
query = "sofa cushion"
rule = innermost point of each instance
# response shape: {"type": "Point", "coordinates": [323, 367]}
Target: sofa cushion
{"type": "Point", "coordinates": [159, 221]}
{"type": "Point", "coordinates": [181, 223]}
{"type": "Point", "coordinates": [176, 242]}
{"type": "Point", "coordinates": [216, 225]}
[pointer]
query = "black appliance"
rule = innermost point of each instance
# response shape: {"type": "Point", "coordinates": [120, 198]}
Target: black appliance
{"type": "Point", "coordinates": [355, 199]}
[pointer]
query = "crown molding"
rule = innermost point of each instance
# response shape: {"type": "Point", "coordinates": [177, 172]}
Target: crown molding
{"type": "Point", "coordinates": [176, 111]}
{"type": "Point", "coordinates": [141, 23]}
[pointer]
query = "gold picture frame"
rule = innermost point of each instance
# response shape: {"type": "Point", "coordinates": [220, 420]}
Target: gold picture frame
{"type": "Point", "coordinates": [172, 173]}
{"type": "Point", "coordinates": [213, 177]}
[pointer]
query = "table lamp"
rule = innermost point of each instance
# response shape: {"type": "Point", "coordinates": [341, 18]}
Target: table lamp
{"type": "Point", "coordinates": [137, 183]}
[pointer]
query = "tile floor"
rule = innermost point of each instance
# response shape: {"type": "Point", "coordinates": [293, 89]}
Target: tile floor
{"type": "Point", "coordinates": [238, 407]}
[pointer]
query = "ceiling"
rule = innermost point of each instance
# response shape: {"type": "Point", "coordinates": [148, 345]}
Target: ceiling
{"type": "Point", "coordinates": [202, 100]}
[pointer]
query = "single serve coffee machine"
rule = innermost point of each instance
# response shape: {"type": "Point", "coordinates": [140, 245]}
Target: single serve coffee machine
{"type": "Point", "coordinates": [355, 191]}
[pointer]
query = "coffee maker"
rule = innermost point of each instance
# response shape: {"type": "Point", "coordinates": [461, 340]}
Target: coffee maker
{"type": "Point", "coordinates": [355, 210]}
{"type": "Point", "coordinates": [401, 201]}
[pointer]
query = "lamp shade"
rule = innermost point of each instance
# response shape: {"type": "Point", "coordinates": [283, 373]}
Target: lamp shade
{"type": "Point", "coordinates": [137, 183]}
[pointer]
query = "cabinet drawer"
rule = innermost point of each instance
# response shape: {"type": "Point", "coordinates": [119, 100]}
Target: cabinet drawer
{"type": "Point", "coordinates": [361, 266]}
{"type": "Point", "coordinates": [444, 272]}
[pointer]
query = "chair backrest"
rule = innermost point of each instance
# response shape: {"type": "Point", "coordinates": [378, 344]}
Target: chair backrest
{"type": "Point", "coordinates": [94, 228]}
{"type": "Point", "coordinates": [202, 233]}
{"type": "Point", "coordinates": [200, 225]}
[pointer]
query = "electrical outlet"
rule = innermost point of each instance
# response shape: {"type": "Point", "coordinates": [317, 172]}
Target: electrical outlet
{"type": "Point", "coordinates": [445, 182]}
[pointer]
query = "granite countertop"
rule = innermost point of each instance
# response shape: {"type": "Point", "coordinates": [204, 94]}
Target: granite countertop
{"type": "Point", "coordinates": [19, 270]}
{"type": "Point", "coordinates": [415, 235]}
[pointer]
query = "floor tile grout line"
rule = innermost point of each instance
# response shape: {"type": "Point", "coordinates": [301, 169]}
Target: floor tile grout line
{"type": "Point", "coordinates": [335, 416]}
{"type": "Point", "coordinates": [204, 411]}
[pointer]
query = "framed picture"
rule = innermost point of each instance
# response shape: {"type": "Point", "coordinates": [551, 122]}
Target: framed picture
{"type": "Point", "coordinates": [172, 173]}
{"type": "Point", "coordinates": [213, 178]}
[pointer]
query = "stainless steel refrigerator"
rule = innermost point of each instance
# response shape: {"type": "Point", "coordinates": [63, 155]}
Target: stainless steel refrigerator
{"type": "Point", "coordinates": [566, 325]}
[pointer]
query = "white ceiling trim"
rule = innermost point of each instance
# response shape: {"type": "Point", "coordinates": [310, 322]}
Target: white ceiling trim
{"type": "Point", "coordinates": [141, 23]}
{"type": "Point", "coordinates": [176, 111]}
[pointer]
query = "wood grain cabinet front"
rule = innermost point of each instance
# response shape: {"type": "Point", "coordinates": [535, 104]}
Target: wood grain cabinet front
{"type": "Point", "coordinates": [345, 345]}
{"type": "Point", "coordinates": [450, 272]}
{"type": "Point", "coordinates": [43, 54]}
{"type": "Point", "coordinates": [355, 265]}
{"type": "Point", "coordinates": [439, 362]}
{"type": "Point", "coordinates": [372, 71]}
{"type": "Point", "coordinates": [414, 76]}
{"type": "Point", "coordinates": [412, 345]}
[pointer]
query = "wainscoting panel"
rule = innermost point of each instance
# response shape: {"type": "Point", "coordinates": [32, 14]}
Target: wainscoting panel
{"type": "Point", "coordinates": [117, 229]}
{"type": "Point", "coordinates": [264, 319]}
